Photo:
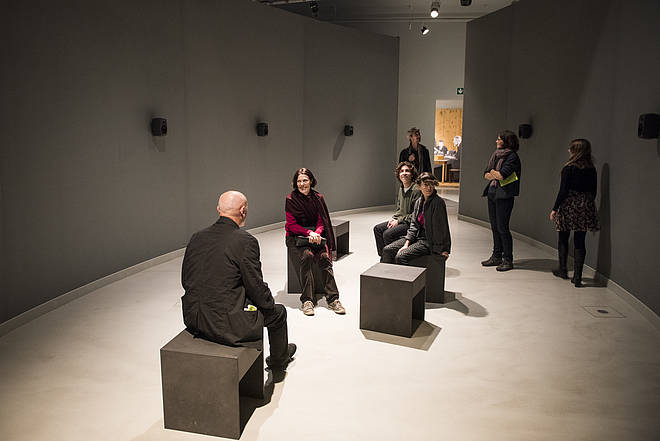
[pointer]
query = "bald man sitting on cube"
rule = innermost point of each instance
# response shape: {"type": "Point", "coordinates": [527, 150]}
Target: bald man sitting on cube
{"type": "Point", "coordinates": [226, 298]}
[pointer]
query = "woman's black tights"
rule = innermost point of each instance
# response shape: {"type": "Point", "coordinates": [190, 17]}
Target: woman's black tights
{"type": "Point", "coordinates": [578, 239]}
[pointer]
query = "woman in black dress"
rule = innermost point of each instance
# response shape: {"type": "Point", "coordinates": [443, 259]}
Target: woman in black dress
{"type": "Point", "coordinates": [575, 209]}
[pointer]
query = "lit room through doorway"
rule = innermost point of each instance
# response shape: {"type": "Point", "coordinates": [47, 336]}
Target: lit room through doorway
{"type": "Point", "coordinates": [447, 146]}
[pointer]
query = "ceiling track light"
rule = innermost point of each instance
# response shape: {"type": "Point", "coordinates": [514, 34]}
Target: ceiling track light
{"type": "Point", "coordinates": [424, 30]}
{"type": "Point", "coordinates": [435, 9]}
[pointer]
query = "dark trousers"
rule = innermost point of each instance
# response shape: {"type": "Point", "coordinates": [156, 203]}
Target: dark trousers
{"type": "Point", "coordinates": [306, 257]}
{"type": "Point", "coordinates": [578, 239]}
{"type": "Point", "coordinates": [391, 252]}
{"type": "Point", "coordinates": [278, 335]}
{"type": "Point", "coordinates": [499, 214]}
{"type": "Point", "coordinates": [385, 236]}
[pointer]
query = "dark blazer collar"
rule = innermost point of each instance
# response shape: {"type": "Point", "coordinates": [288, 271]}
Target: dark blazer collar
{"type": "Point", "coordinates": [226, 220]}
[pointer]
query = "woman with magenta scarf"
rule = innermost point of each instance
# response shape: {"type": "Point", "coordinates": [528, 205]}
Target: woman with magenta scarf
{"type": "Point", "coordinates": [309, 234]}
{"type": "Point", "coordinates": [503, 176]}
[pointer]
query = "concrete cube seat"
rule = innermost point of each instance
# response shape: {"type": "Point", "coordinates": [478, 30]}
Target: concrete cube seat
{"type": "Point", "coordinates": [392, 298]}
{"type": "Point", "coordinates": [204, 385]}
{"type": "Point", "coordinates": [435, 277]}
{"type": "Point", "coordinates": [342, 229]}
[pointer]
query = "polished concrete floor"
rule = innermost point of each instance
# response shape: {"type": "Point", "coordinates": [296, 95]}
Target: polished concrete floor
{"type": "Point", "coordinates": [518, 356]}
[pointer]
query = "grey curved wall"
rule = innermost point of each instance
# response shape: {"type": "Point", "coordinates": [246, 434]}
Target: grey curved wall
{"type": "Point", "coordinates": [573, 69]}
{"type": "Point", "coordinates": [85, 190]}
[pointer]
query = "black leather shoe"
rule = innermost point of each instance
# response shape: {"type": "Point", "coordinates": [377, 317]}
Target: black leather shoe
{"type": "Point", "coordinates": [561, 273]}
{"type": "Point", "coordinates": [281, 366]}
{"type": "Point", "coordinates": [506, 265]}
{"type": "Point", "coordinates": [492, 261]}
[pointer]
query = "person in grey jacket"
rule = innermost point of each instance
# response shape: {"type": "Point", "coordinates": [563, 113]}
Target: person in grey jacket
{"type": "Point", "coordinates": [429, 227]}
{"type": "Point", "coordinates": [387, 232]}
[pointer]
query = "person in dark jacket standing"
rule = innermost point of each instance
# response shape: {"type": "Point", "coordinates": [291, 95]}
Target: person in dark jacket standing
{"type": "Point", "coordinates": [503, 176]}
{"type": "Point", "coordinates": [575, 208]}
{"type": "Point", "coordinates": [226, 299]}
{"type": "Point", "coordinates": [429, 227]}
{"type": "Point", "coordinates": [416, 153]}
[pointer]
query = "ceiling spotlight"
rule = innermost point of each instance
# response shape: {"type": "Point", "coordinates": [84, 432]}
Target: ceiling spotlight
{"type": "Point", "coordinates": [435, 9]}
{"type": "Point", "coordinates": [424, 30]}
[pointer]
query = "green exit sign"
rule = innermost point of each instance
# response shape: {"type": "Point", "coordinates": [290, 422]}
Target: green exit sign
{"type": "Point", "coordinates": [459, 91]}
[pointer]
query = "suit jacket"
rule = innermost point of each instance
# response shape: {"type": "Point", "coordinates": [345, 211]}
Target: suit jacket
{"type": "Point", "coordinates": [221, 275]}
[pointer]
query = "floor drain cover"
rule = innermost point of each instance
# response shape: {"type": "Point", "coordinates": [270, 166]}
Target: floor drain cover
{"type": "Point", "coordinates": [603, 312]}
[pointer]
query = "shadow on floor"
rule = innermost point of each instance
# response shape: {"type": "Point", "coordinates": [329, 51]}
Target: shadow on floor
{"type": "Point", "coordinates": [291, 300]}
{"type": "Point", "coordinates": [463, 305]}
{"type": "Point", "coordinates": [596, 282]}
{"type": "Point", "coordinates": [542, 265]}
{"type": "Point", "coordinates": [452, 272]}
{"type": "Point", "coordinates": [422, 339]}
{"type": "Point", "coordinates": [343, 256]}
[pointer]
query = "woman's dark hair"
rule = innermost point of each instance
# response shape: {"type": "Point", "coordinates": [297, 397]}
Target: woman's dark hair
{"type": "Point", "coordinates": [303, 171]}
{"type": "Point", "coordinates": [580, 150]}
{"type": "Point", "coordinates": [413, 171]}
{"type": "Point", "coordinates": [426, 176]}
{"type": "Point", "coordinates": [510, 140]}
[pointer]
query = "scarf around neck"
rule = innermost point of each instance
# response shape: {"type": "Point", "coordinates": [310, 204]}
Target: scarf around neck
{"type": "Point", "coordinates": [309, 208]}
{"type": "Point", "coordinates": [496, 160]}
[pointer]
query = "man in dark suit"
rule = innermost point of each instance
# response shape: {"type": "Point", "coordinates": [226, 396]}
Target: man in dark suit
{"type": "Point", "coordinates": [226, 298]}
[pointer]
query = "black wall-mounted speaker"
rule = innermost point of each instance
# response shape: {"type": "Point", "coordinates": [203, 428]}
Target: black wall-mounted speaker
{"type": "Point", "coordinates": [262, 129]}
{"type": "Point", "coordinates": [348, 130]}
{"type": "Point", "coordinates": [649, 126]}
{"type": "Point", "coordinates": [158, 126]}
{"type": "Point", "coordinates": [525, 131]}
{"type": "Point", "coordinates": [466, 2]}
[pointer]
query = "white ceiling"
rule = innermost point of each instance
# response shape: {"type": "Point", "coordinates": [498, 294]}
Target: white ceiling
{"type": "Point", "coordinates": [389, 10]}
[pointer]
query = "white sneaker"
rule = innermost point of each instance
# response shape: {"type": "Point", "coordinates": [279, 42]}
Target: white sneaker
{"type": "Point", "coordinates": [337, 307]}
{"type": "Point", "coordinates": [308, 308]}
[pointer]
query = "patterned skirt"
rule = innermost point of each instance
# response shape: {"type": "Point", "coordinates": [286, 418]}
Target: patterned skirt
{"type": "Point", "coordinates": [577, 213]}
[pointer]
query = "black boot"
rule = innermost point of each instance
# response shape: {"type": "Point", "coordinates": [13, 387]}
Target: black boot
{"type": "Point", "coordinates": [562, 252]}
{"type": "Point", "coordinates": [506, 265]}
{"type": "Point", "coordinates": [580, 254]}
{"type": "Point", "coordinates": [493, 260]}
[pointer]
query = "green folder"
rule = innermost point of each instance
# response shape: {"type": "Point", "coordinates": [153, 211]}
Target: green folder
{"type": "Point", "coordinates": [509, 179]}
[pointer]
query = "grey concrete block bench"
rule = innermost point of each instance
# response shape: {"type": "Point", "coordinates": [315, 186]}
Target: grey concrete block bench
{"type": "Point", "coordinates": [435, 265]}
{"type": "Point", "coordinates": [342, 230]}
{"type": "Point", "coordinates": [392, 298]}
{"type": "Point", "coordinates": [204, 384]}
